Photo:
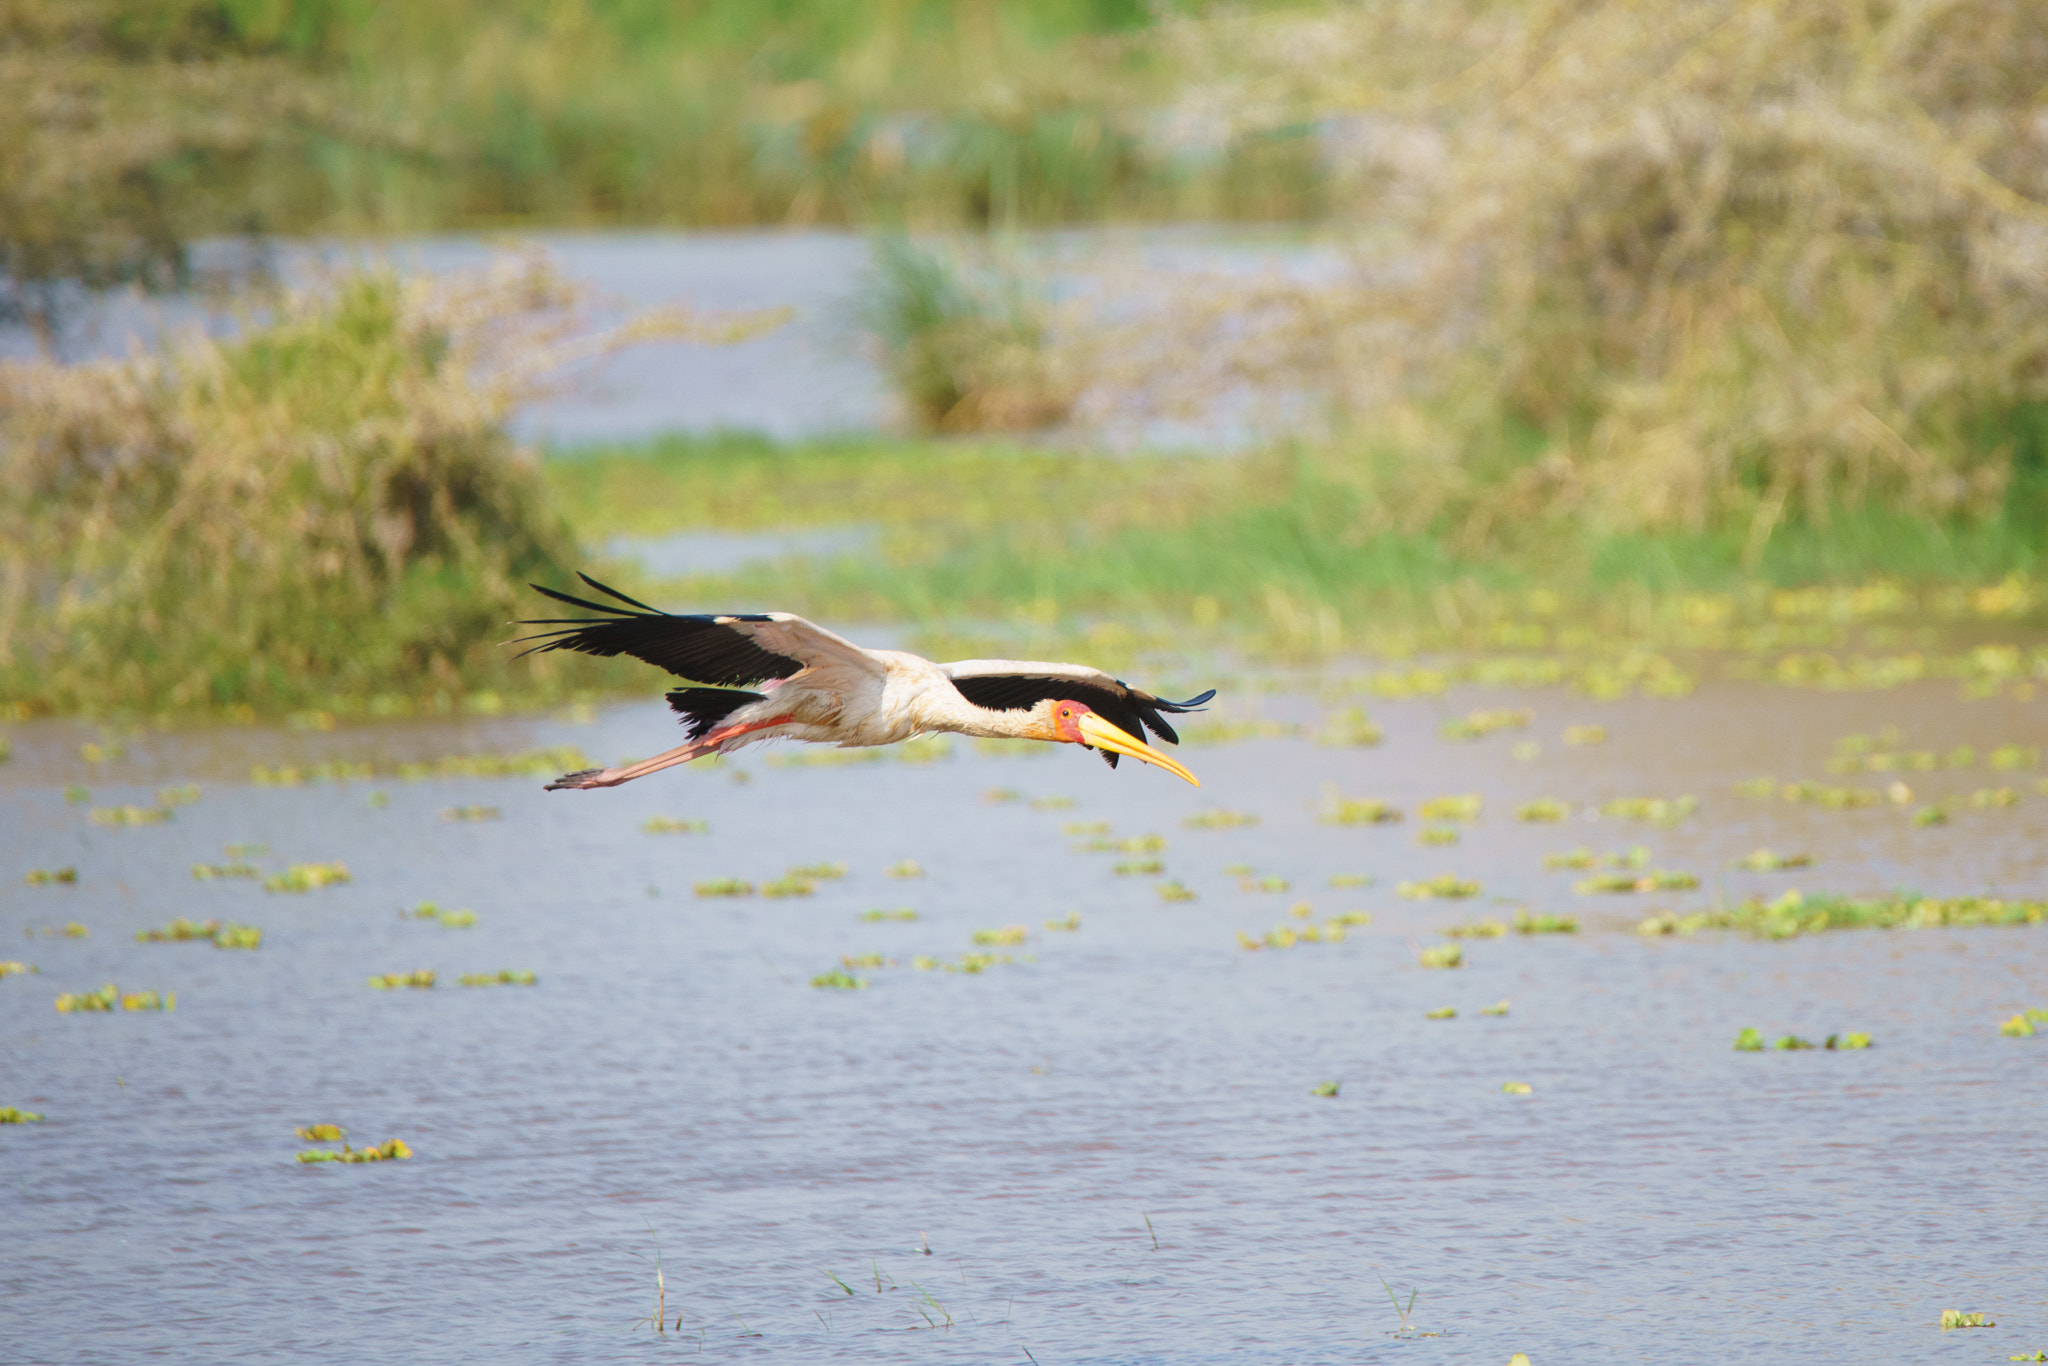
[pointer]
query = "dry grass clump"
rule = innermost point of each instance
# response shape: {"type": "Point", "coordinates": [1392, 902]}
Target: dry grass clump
{"type": "Point", "coordinates": [327, 504]}
{"type": "Point", "coordinates": [1710, 263]}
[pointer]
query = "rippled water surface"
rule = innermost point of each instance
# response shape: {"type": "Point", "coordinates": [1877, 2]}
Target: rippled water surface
{"type": "Point", "coordinates": [983, 1151]}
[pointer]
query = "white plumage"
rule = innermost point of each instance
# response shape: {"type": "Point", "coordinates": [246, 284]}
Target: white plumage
{"type": "Point", "coordinates": [772, 675]}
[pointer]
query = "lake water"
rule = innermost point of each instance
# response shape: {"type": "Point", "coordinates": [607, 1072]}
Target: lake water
{"type": "Point", "coordinates": [983, 1151]}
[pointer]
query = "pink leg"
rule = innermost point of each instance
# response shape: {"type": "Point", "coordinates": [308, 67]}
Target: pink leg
{"type": "Point", "coordinates": [696, 749]}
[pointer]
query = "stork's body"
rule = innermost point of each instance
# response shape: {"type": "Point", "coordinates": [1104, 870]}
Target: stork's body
{"type": "Point", "coordinates": [772, 675]}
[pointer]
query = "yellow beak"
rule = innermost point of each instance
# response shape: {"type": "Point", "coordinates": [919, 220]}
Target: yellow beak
{"type": "Point", "coordinates": [1103, 735]}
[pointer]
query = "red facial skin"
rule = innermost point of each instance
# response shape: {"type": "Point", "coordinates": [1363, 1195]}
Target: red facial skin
{"type": "Point", "coordinates": [1066, 720]}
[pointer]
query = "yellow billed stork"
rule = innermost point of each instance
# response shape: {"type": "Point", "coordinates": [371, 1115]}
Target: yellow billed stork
{"type": "Point", "coordinates": [770, 675]}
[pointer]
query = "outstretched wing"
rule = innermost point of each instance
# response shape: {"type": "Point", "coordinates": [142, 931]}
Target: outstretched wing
{"type": "Point", "coordinates": [734, 650]}
{"type": "Point", "coordinates": [1021, 684]}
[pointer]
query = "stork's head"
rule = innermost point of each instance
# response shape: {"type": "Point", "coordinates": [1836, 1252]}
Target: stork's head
{"type": "Point", "coordinates": [1077, 724]}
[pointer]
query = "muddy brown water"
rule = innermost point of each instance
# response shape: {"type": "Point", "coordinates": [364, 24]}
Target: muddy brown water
{"type": "Point", "coordinates": [987, 1148]}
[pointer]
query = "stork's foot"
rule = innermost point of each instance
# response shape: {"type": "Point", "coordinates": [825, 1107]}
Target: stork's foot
{"type": "Point", "coordinates": [583, 778]}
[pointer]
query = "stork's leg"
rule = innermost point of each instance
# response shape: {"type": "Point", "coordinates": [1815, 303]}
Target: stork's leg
{"type": "Point", "coordinates": [696, 749]}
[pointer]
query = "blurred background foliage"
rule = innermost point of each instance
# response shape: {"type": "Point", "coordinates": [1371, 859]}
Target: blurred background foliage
{"type": "Point", "coordinates": [1629, 296]}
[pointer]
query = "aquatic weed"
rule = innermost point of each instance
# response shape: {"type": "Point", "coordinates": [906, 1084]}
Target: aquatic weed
{"type": "Point", "coordinates": [1750, 1040]}
{"type": "Point", "coordinates": [863, 960]}
{"type": "Point", "coordinates": [222, 935]}
{"type": "Point", "coordinates": [1499, 1007]}
{"type": "Point", "coordinates": [1488, 928]}
{"type": "Point", "coordinates": [51, 877]}
{"type": "Point", "coordinates": [508, 977]}
{"type": "Point", "coordinates": [1476, 725]}
{"type": "Point", "coordinates": [1517, 1088]}
{"type": "Point", "coordinates": [393, 1150]}
{"type": "Point", "coordinates": [1358, 811]}
{"type": "Point", "coordinates": [1659, 880]}
{"type": "Point", "coordinates": [1585, 735]}
{"type": "Point", "coordinates": [10, 966]}
{"type": "Point", "coordinates": [1463, 807]}
{"type": "Point", "coordinates": [1544, 809]}
{"type": "Point", "coordinates": [1326, 1089]}
{"type": "Point", "coordinates": [818, 872]}
{"type": "Point", "coordinates": [1139, 867]}
{"type": "Point", "coordinates": [1350, 880]}
{"type": "Point", "coordinates": [471, 813]}
{"type": "Point", "coordinates": [675, 825]}
{"type": "Point", "coordinates": [1444, 886]}
{"type": "Point", "coordinates": [2018, 1027]}
{"type": "Point", "coordinates": [839, 980]}
{"type": "Point", "coordinates": [1007, 935]}
{"type": "Point", "coordinates": [906, 869]}
{"type": "Point", "coordinates": [10, 1115]}
{"type": "Point", "coordinates": [1443, 956]}
{"type": "Point", "coordinates": [1655, 810]}
{"type": "Point", "coordinates": [1437, 835]}
{"type": "Point", "coordinates": [131, 815]}
{"type": "Point", "coordinates": [1271, 882]}
{"type": "Point", "coordinates": [321, 1133]}
{"type": "Point", "coordinates": [419, 977]}
{"type": "Point", "coordinates": [307, 877]}
{"type": "Point", "coordinates": [1054, 803]}
{"type": "Point", "coordinates": [1930, 815]}
{"type": "Point", "coordinates": [1764, 861]}
{"type": "Point", "coordinates": [1956, 1318]}
{"type": "Point", "coordinates": [1441, 1013]}
{"type": "Point", "coordinates": [1526, 923]}
{"type": "Point", "coordinates": [997, 796]}
{"type": "Point", "coordinates": [1219, 820]}
{"type": "Point", "coordinates": [789, 884]}
{"type": "Point", "coordinates": [1072, 922]}
{"type": "Point", "coordinates": [1174, 890]}
{"type": "Point", "coordinates": [904, 913]}
{"type": "Point", "coordinates": [211, 872]}
{"type": "Point", "coordinates": [727, 886]}
{"type": "Point", "coordinates": [110, 998]}
{"type": "Point", "coordinates": [1079, 828]}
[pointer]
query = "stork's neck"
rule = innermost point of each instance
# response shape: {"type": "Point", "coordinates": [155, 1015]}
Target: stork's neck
{"type": "Point", "coordinates": [940, 706]}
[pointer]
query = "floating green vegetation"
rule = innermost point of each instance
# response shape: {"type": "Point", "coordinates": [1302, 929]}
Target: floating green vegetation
{"type": "Point", "coordinates": [1836, 798]}
{"type": "Point", "coordinates": [221, 934]}
{"type": "Point", "coordinates": [76, 795]}
{"type": "Point", "coordinates": [1517, 1088]}
{"type": "Point", "coordinates": [1749, 1041]}
{"type": "Point", "coordinates": [1655, 810]}
{"type": "Point", "coordinates": [1175, 890]}
{"type": "Point", "coordinates": [907, 868]}
{"type": "Point", "coordinates": [392, 1151]}
{"type": "Point", "coordinates": [1488, 928]}
{"type": "Point", "coordinates": [1764, 861]}
{"type": "Point", "coordinates": [1350, 880]}
{"type": "Point", "coordinates": [674, 825]}
{"type": "Point", "coordinates": [1352, 918]}
{"type": "Point", "coordinates": [1792, 1043]}
{"type": "Point", "coordinates": [321, 1133]}
{"type": "Point", "coordinates": [2015, 756]}
{"type": "Point", "coordinates": [2024, 1024]}
{"type": "Point", "coordinates": [1140, 867]}
{"type": "Point", "coordinates": [182, 794]}
{"type": "Point", "coordinates": [724, 886]}
{"type": "Point", "coordinates": [1995, 797]}
{"type": "Point", "coordinates": [307, 877]}
{"type": "Point", "coordinates": [1526, 751]}
{"type": "Point", "coordinates": [1659, 880]}
{"type": "Point", "coordinates": [1444, 956]}
{"type": "Point", "coordinates": [210, 872]}
{"type": "Point", "coordinates": [1220, 820]}
{"type": "Point", "coordinates": [1068, 925]}
{"type": "Point", "coordinates": [1543, 810]}
{"type": "Point", "coordinates": [72, 930]}
{"type": "Point", "coordinates": [1465, 807]}
{"type": "Point", "coordinates": [242, 851]}
{"type": "Point", "coordinates": [1794, 914]}
{"type": "Point", "coordinates": [1477, 725]}
{"type": "Point", "coordinates": [1326, 1089]}
{"type": "Point", "coordinates": [972, 963]}
{"type": "Point", "coordinates": [1585, 735]}
{"type": "Point", "coordinates": [818, 872]}
{"type": "Point", "coordinates": [1581, 857]}
{"type": "Point", "coordinates": [789, 884]}
{"type": "Point", "coordinates": [529, 763]}
{"type": "Point", "coordinates": [1441, 1013]}
{"type": "Point", "coordinates": [1931, 815]}
{"type": "Point", "coordinates": [9, 967]}
{"type": "Point", "coordinates": [131, 815]}
{"type": "Point", "coordinates": [6, 749]}
{"type": "Point", "coordinates": [1357, 810]}
{"type": "Point", "coordinates": [1007, 936]}
{"type": "Point", "coordinates": [863, 960]}
{"type": "Point", "coordinates": [1499, 1007]}
{"type": "Point", "coordinates": [471, 813]}
{"type": "Point", "coordinates": [1271, 882]}
{"type": "Point", "coordinates": [1237, 870]}
{"type": "Point", "coordinates": [1079, 829]}
{"type": "Point", "coordinates": [1437, 835]}
{"type": "Point", "coordinates": [51, 877]}
{"type": "Point", "coordinates": [1526, 923]}
{"type": "Point", "coordinates": [10, 1115]}
{"type": "Point", "coordinates": [419, 977]}
{"type": "Point", "coordinates": [1054, 803]}
{"type": "Point", "coordinates": [507, 977]}
{"type": "Point", "coordinates": [1445, 886]}
{"type": "Point", "coordinates": [110, 997]}
{"type": "Point", "coordinates": [1956, 1318]}
{"type": "Point", "coordinates": [903, 913]}
{"type": "Point", "coordinates": [1230, 732]}
{"type": "Point", "coordinates": [1762, 788]}
{"type": "Point", "coordinates": [1140, 844]}
{"type": "Point", "coordinates": [1350, 726]}
{"type": "Point", "coordinates": [997, 796]}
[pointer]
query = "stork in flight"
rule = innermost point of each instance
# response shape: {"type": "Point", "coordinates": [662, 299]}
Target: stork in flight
{"type": "Point", "coordinates": [813, 685]}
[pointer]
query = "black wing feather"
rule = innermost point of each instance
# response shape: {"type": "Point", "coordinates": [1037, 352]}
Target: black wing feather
{"type": "Point", "coordinates": [1129, 711]}
{"type": "Point", "coordinates": [699, 649]}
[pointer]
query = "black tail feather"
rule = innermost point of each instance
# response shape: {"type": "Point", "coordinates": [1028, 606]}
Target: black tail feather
{"type": "Point", "coordinates": [706, 707]}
